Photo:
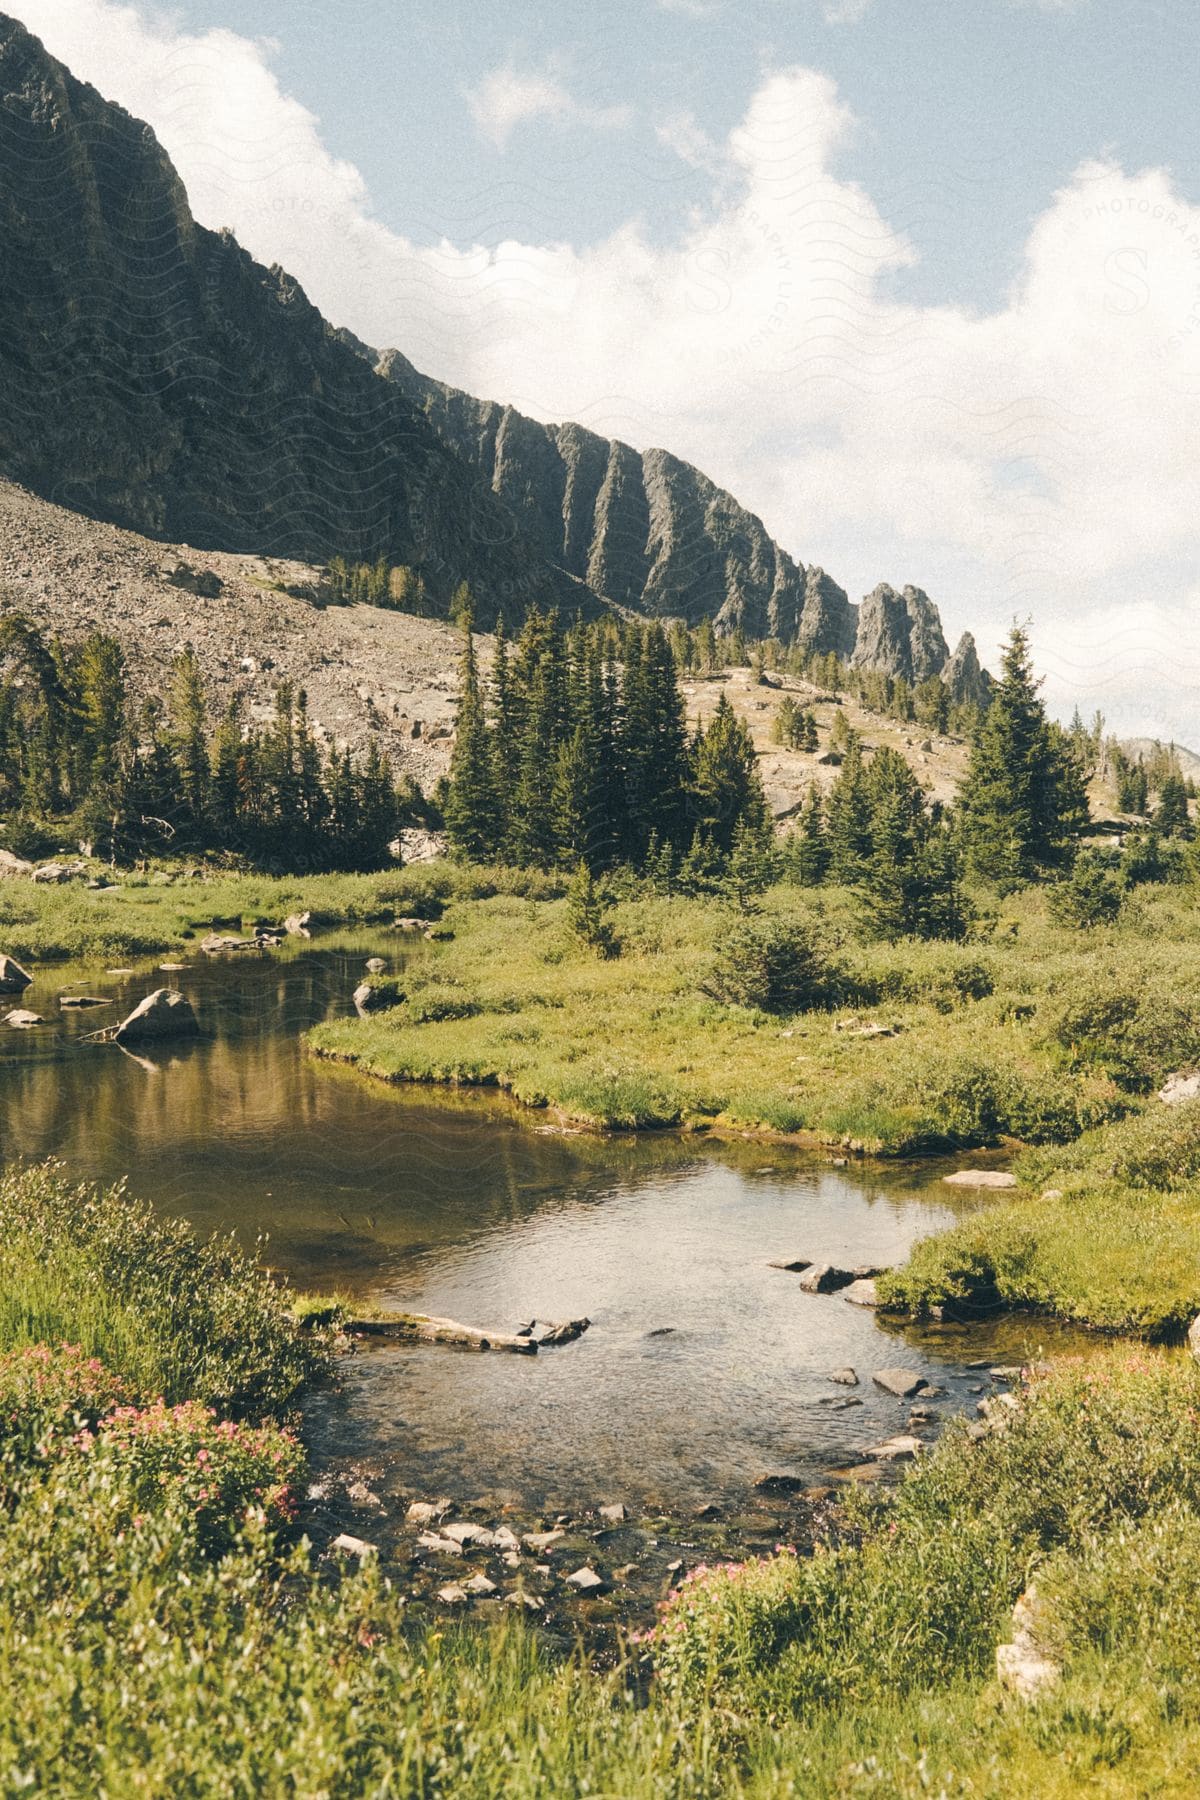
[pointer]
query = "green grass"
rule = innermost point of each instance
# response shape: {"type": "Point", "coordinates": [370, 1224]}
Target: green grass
{"type": "Point", "coordinates": [990, 1039]}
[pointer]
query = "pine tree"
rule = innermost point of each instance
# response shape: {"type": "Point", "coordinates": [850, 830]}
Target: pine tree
{"type": "Point", "coordinates": [806, 849]}
{"type": "Point", "coordinates": [1171, 817]}
{"type": "Point", "coordinates": [472, 822]}
{"type": "Point", "coordinates": [1024, 801]}
{"type": "Point", "coordinates": [726, 786]}
{"type": "Point", "coordinates": [189, 737]}
{"type": "Point", "coordinates": [848, 821]}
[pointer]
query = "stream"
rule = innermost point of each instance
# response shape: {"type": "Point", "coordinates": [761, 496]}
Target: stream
{"type": "Point", "coordinates": [705, 1368]}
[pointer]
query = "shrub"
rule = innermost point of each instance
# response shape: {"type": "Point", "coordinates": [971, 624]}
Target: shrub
{"type": "Point", "coordinates": [48, 1394]}
{"type": "Point", "coordinates": [1090, 896]}
{"type": "Point", "coordinates": [187, 1460]}
{"type": "Point", "coordinates": [189, 1318]}
{"type": "Point", "coordinates": [770, 966]}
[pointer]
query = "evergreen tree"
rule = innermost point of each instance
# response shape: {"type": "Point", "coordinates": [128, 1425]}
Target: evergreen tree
{"type": "Point", "coordinates": [1024, 801]}
{"type": "Point", "coordinates": [806, 850]}
{"type": "Point", "coordinates": [726, 786]}
{"type": "Point", "coordinates": [189, 736]}
{"type": "Point", "coordinates": [472, 821]}
{"type": "Point", "coordinates": [1171, 818]}
{"type": "Point", "coordinates": [848, 821]}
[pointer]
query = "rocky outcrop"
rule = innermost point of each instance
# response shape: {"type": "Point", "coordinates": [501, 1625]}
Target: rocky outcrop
{"type": "Point", "coordinates": [647, 531]}
{"type": "Point", "coordinates": [828, 620]}
{"type": "Point", "coordinates": [900, 634]}
{"type": "Point", "coordinates": [153, 374]}
{"type": "Point", "coordinates": [161, 1015]}
{"type": "Point", "coordinates": [968, 682]}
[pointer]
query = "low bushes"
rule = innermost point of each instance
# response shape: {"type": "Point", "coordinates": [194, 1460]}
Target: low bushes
{"type": "Point", "coordinates": [172, 1314]}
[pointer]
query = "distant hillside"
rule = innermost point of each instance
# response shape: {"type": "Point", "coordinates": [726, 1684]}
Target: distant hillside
{"type": "Point", "coordinates": [1143, 748]}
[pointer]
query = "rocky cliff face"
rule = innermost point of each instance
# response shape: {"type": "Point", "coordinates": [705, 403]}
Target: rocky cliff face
{"type": "Point", "coordinates": [153, 374]}
{"type": "Point", "coordinates": [645, 530]}
{"type": "Point", "coordinates": [968, 682]}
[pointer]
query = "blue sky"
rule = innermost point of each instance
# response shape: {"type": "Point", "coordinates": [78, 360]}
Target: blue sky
{"type": "Point", "coordinates": [972, 111]}
{"type": "Point", "coordinates": [918, 280]}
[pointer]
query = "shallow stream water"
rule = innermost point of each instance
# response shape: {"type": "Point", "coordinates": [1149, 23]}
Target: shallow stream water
{"type": "Point", "coordinates": [704, 1368]}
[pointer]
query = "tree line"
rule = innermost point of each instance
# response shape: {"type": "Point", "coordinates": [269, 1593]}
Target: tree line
{"type": "Point", "coordinates": [575, 749]}
{"type": "Point", "coordinates": [78, 758]}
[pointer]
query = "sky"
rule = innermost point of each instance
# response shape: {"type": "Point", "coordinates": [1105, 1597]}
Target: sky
{"type": "Point", "coordinates": [917, 280]}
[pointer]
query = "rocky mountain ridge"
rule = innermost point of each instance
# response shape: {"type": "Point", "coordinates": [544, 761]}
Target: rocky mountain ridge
{"type": "Point", "coordinates": [153, 375]}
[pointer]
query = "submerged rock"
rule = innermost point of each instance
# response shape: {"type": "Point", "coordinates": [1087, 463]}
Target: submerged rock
{"type": "Point", "coordinates": [904, 1383]}
{"type": "Point", "coordinates": [13, 978]}
{"type": "Point", "coordinates": [23, 1021]}
{"type": "Point", "coordinates": [845, 1377]}
{"type": "Point", "coordinates": [165, 1013]}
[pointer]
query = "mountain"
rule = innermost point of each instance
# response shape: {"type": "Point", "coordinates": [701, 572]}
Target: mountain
{"type": "Point", "coordinates": [153, 375]}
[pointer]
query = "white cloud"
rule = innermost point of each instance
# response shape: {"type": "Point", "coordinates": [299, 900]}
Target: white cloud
{"type": "Point", "coordinates": [508, 97]}
{"type": "Point", "coordinates": [845, 12]}
{"type": "Point", "coordinates": [1039, 458]}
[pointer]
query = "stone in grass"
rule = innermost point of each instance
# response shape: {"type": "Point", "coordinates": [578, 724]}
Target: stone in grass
{"type": "Point", "coordinates": [542, 1540]}
{"type": "Point", "coordinates": [845, 1377]}
{"type": "Point", "coordinates": [480, 1586]}
{"type": "Point", "coordinates": [896, 1449]}
{"type": "Point", "coordinates": [424, 1512]}
{"type": "Point", "coordinates": [530, 1602]}
{"type": "Point", "coordinates": [506, 1539]}
{"type": "Point", "coordinates": [440, 1546]}
{"type": "Point", "coordinates": [615, 1514]}
{"type": "Point", "coordinates": [471, 1537]}
{"type": "Point", "coordinates": [453, 1594]}
{"type": "Point", "coordinates": [980, 1178]}
{"type": "Point", "coordinates": [585, 1580]}
{"type": "Point", "coordinates": [904, 1383]}
{"type": "Point", "coordinates": [353, 1546]}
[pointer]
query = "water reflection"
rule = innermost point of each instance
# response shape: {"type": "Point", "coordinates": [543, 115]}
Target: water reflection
{"type": "Point", "coordinates": [453, 1206]}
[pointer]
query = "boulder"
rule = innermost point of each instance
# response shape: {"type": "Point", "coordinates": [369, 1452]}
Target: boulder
{"type": "Point", "coordinates": [981, 1178]}
{"type": "Point", "coordinates": [896, 1449]}
{"type": "Point", "coordinates": [1193, 1337]}
{"type": "Point", "coordinates": [375, 965]}
{"type": "Point", "coordinates": [844, 1377]}
{"type": "Point", "coordinates": [780, 1484]}
{"type": "Point", "coordinates": [452, 1594]}
{"type": "Point", "coordinates": [13, 978]}
{"type": "Point", "coordinates": [543, 1540]}
{"type": "Point", "coordinates": [861, 1292]}
{"type": "Point", "coordinates": [475, 1537]}
{"type": "Point", "coordinates": [22, 1021]}
{"type": "Point", "coordinates": [480, 1586]}
{"type": "Point", "coordinates": [565, 1332]}
{"type": "Point", "coordinates": [424, 1512]}
{"type": "Point", "coordinates": [1023, 1666]}
{"type": "Point", "coordinates": [904, 1383]}
{"type": "Point", "coordinates": [353, 1546]}
{"type": "Point", "coordinates": [52, 874]}
{"type": "Point", "coordinates": [296, 924]}
{"type": "Point", "coordinates": [615, 1514]}
{"type": "Point", "coordinates": [825, 1278]}
{"type": "Point", "coordinates": [585, 1580]}
{"type": "Point", "coordinates": [14, 866]}
{"type": "Point", "coordinates": [1179, 1087]}
{"type": "Point", "coordinates": [165, 1013]}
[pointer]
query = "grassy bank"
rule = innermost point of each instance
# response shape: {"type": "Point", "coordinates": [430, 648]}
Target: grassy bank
{"type": "Point", "coordinates": [161, 1629]}
{"type": "Point", "coordinates": [141, 915]}
{"type": "Point", "coordinates": [1010, 1035]}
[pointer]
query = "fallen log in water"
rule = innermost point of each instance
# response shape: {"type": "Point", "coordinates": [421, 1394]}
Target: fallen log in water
{"type": "Point", "coordinates": [415, 1328]}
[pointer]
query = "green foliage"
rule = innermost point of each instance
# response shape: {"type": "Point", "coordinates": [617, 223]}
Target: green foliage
{"type": "Point", "coordinates": [770, 967]}
{"type": "Point", "coordinates": [170, 1313]}
{"type": "Point", "coordinates": [1091, 895]}
{"type": "Point", "coordinates": [1023, 801]}
{"type": "Point", "coordinates": [131, 787]}
{"type": "Point", "coordinates": [587, 914]}
{"type": "Point", "coordinates": [1096, 1448]}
